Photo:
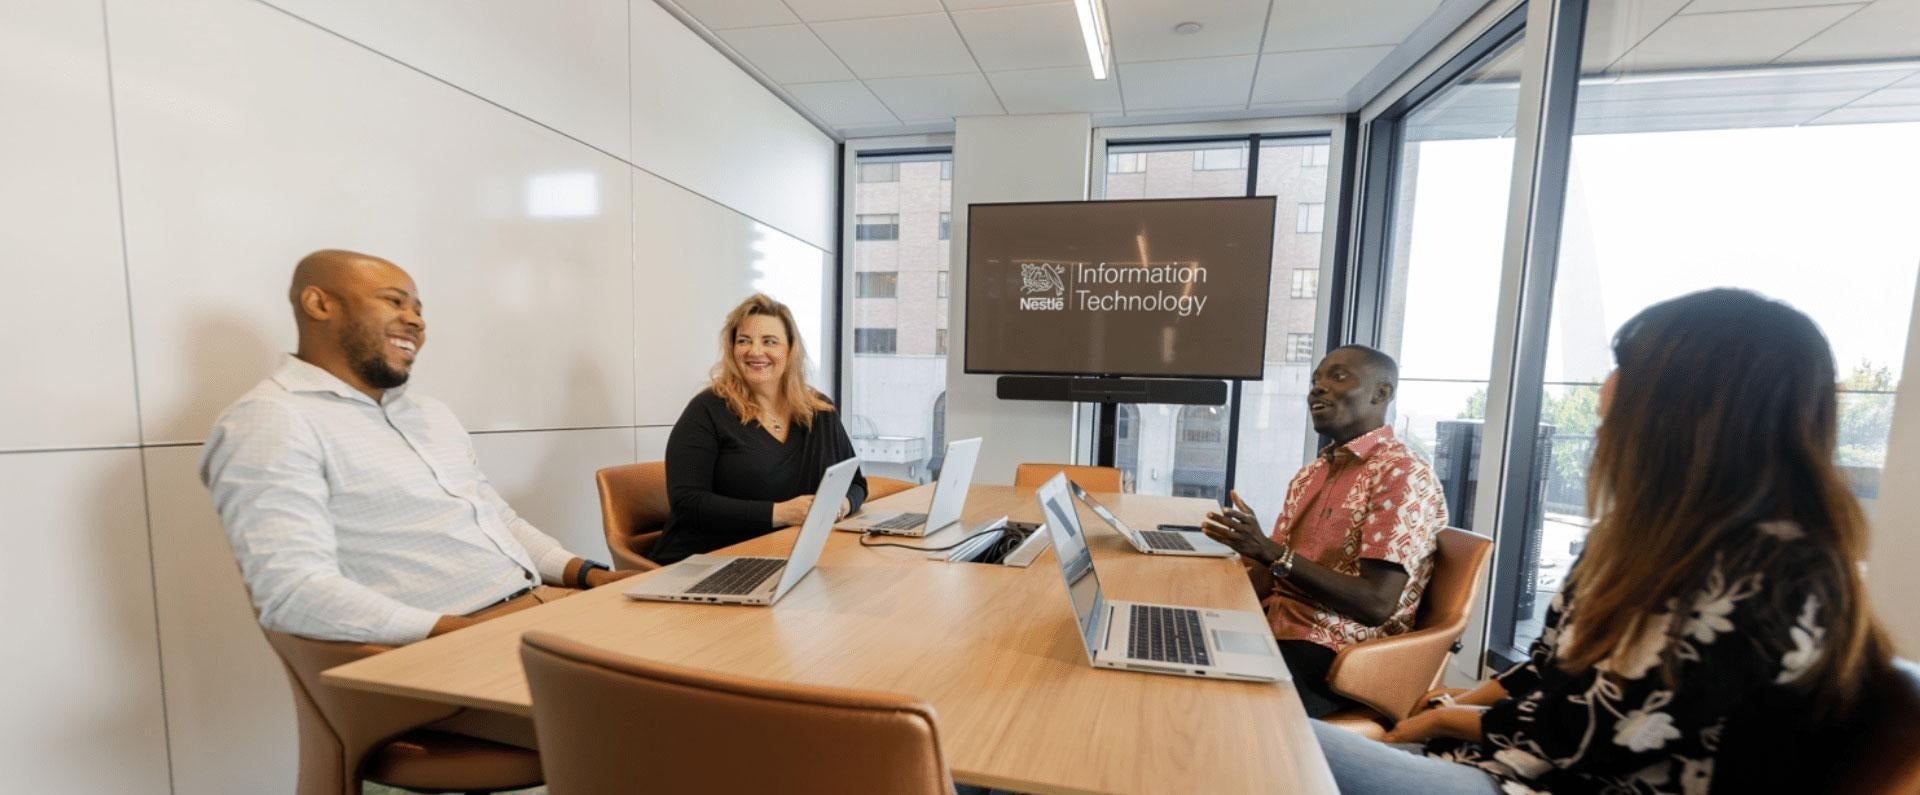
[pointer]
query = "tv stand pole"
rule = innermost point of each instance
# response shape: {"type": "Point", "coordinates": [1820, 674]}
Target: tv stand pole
{"type": "Point", "coordinates": [1109, 433]}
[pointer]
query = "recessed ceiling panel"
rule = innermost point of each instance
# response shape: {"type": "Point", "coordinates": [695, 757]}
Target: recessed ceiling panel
{"type": "Point", "coordinates": [898, 46]}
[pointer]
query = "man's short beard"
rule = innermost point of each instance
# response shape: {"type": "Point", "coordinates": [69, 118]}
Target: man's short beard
{"type": "Point", "coordinates": [370, 363]}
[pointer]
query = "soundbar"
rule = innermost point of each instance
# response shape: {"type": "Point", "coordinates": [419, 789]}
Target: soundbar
{"type": "Point", "coordinates": [1177, 391]}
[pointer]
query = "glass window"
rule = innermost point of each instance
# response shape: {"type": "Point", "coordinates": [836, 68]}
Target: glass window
{"type": "Point", "coordinates": [1220, 159]}
{"type": "Point", "coordinates": [1723, 170]}
{"type": "Point", "coordinates": [894, 404]}
{"type": "Point", "coordinates": [874, 340]}
{"type": "Point", "coordinates": [1306, 283]}
{"type": "Point", "coordinates": [946, 226]}
{"type": "Point", "coordinates": [1315, 156]}
{"type": "Point", "coordinates": [1153, 448]}
{"type": "Point", "coordinates": [879, 172]}
{"type": "Point", "coordinates": [1447, 235]}
{"type": "Point", "coordinates": [1126, 163]}
{"type": "Point", "coordinates": [1309, 218]}
{"type": "Point", "coordinates": [1300, 349]}
{"type": "Point", "coordinates": [1274, 427]}
{"type": "Point", "coordinates": [876, 285]}
{"type": "Point", "coordinates": [876, 227]}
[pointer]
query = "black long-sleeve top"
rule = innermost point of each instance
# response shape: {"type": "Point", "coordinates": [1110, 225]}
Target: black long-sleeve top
{"type": "Point", "coordinates": [724, 476]}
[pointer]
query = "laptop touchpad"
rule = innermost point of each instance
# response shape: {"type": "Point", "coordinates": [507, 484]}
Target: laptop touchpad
{"type": "Point", "coordinates": [1230, 642]}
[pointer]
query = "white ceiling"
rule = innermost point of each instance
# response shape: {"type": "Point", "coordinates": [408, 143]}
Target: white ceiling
{"type": "Point", "coordinates": [1678, 65]}
{"type": "Point", "coordinates": [877, 67]}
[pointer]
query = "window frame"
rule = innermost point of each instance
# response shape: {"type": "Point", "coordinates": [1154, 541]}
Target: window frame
{"type": "Point", "coordinates": [939, 145]}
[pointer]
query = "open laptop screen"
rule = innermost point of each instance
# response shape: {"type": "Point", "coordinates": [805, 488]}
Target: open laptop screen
{"type": "Point", "coordinates": [1076, 562]}
{"type": "Point", "coordinates": [1100, 510]}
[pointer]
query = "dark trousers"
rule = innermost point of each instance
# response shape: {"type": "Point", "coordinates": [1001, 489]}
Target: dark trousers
{"type": "Point", "coordinates": [1309, 662]}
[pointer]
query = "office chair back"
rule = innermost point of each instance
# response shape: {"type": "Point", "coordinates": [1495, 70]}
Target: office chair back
{"type": "Point", "coordinates": [633, 511]}
{"type": "Point", "coordinates": [347, 736]}
{"type": "Point", "coordinates": [878, 487]}
{"type": "Point", "coordinates": [608, 723]}
{"type": "Point", "coordinates": [1388, 676]}
{"type": "Point", "coordinates": [1095, 479]}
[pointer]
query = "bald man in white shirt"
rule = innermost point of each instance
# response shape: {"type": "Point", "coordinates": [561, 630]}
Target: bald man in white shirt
{"type": "Point", "coordinates": [357, 510]}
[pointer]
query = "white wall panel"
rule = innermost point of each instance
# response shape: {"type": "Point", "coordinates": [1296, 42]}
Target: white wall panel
{"type": "Point", "coordinates": [1893, 551]}
{"type": "Point", "coordinates": [1007, 159]}
{"type": "Point", "coordinates": [230, 719]}
{"type": "Point", "coordinates": [701, 122]}
{"type": "Point", "coordinates": [650, 443]}
{"type": "Point", "coordinates": [547, 476]}
{"type": "Point", "coordinates": [251, 138]}
{"type": "Point", "coordinates": [82, 684]}
{"type": "Point", "coordinates": [68, 358]}
{"type": "Point", "coordinates": [560, 62]}
{"type": "Point", "coordinates": [693, 262]}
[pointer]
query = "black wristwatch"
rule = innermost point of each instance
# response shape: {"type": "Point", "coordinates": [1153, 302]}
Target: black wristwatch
{"type": "Point", "coordinates": [1283, 567]}
{"type": "Point", "coordinates": [580, 577]}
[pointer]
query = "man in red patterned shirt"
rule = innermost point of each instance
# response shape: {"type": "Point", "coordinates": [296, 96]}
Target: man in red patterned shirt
{"type": "Point", "coordinates": [1353, 548]}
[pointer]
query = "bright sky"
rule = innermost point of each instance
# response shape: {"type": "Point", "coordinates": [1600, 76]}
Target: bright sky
{"type": "Point", "coordinates": [1825, 218]}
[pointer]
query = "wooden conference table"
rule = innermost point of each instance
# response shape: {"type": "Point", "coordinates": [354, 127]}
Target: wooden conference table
{"type": "Point", "coordinates": [994, 649]}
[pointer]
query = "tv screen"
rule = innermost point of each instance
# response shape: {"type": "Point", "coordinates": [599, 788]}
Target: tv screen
{"type": "Point", "coordinates": [1149, 288]}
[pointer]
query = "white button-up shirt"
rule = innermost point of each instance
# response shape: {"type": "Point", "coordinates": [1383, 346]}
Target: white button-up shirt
{"type": "Point", "coordinates": [363, 521]}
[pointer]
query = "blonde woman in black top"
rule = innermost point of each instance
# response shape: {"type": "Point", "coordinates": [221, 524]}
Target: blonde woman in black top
{"type": "Point", "coordinates": [748, 451]}
{"type": "Point", "coordinates": [1717, 615]}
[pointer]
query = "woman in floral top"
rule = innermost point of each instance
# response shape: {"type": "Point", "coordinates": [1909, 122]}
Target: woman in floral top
{"type": "Point", "coordinates": [1718, 601]}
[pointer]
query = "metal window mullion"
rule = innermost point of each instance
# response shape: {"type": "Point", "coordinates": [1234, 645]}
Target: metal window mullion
{"type": "Point", "coordinates": [1548, 86]}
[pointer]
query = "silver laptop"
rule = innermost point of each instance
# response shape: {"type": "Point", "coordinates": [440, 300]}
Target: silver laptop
{"type": "Point", "coordinates": [1161, 639]}
{"type": "Point", "coordinates": [734, 580]}
{"type": "Point", "coordinates": [949, 496]}
{"type": "Point", "coordinates": [1156, 542]}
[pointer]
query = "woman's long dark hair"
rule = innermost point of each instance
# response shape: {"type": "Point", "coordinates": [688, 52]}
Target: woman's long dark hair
{"type": "Point", "coordinates": [1724, 416]}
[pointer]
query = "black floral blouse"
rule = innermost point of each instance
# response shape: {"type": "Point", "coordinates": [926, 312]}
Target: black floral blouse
{"type": "Point", "coordinates": [1752, 625]}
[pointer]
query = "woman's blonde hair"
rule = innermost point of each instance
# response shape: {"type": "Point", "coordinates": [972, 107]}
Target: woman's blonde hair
{"type": "Point", "coordinates": [731, 384]}
{"type": "Point", "coordinates": [1724, 417]}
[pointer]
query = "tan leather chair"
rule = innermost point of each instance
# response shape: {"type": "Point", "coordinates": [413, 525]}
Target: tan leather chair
{"type": "Point", "coordinates": [1389, 676]}
{"type": "Point", "coordinates": [633, 511]}
{"type": "Point", "coordinates": [1094, 479]}
{"type": "Point", "coordinates": [349, 736]}
{"type": "Point", "coordinates": [878, 487]}
{"type": "Point", "coordinates": [608, 723]}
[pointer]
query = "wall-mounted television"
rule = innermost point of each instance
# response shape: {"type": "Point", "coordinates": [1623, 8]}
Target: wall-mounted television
{"type": "Point", "coordinates": [1160, 288]}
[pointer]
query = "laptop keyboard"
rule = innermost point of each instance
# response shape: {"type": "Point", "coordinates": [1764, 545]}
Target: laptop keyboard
{"type": "Point", "coordinates": [1166, 539]}
{"type": "Point", "coordinates": [1167, 634]}
{"type": "Point", "coordinates": [740, 576]}
{"type": "Point", "coordinates": [905, 521]}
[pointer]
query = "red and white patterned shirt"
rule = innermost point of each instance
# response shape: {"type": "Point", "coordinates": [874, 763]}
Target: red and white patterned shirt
{"type": "Point", "coordinates": [1370, 499]}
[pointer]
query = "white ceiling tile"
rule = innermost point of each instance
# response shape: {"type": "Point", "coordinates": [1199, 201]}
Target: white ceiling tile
{"type": "Point", "coordinates": [1744, 38]}
{"type": "Point", "coordinates": [964, 5]}
{"type": "Point", "coordinates": [1067, 90]}
{"type": "Point", "coordinates": [1023, 37]}
{"type": "Point", "coordinates": [937, 98]}
{"type": "Point", "coordinates": [1201, 82]}
{"type": "Point", "coordinates": [1717, 6]}
{"type": "Point", "coordinates": [787, 54]}
{"type": "Point", "coordinates": [1886, 29]}
{"type": "Point", "coordinates": [1614, 26]}
{"type": "Point", "coordinates": [1887, 114]}
{"type": "Point", "coordinates": [1910, 81]}
{"type": "Point", "coordinates": [1314, 74]}
{"type": "Point", "coordinates": [898, 46]}
{"type": "Point", "coordinates": [723, 14]}
{"type": "Point", "coordinates": [826, 10]}
{"type": "Point", "coordinates": [1322, 24]}
{"type": "Point", "coordinates": [1143, 29]}
{"type": "Point", "coordinates": [842, 104]}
